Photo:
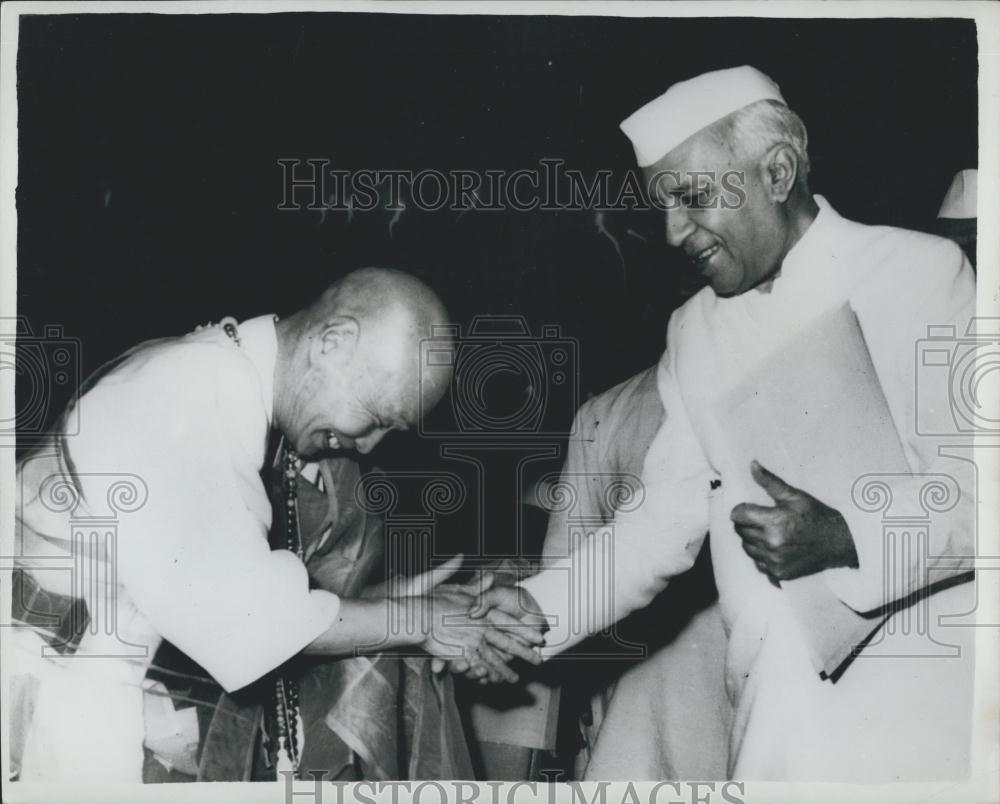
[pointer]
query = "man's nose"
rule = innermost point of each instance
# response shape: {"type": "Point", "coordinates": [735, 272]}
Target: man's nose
{"type": "Point", "coordinates": [679, 226]}
{"type": "Point", "coordinates": [367, 443]}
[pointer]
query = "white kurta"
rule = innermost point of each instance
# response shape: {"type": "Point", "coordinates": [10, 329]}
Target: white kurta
{"type": "Point", "coordinates": [185, 422]}
{"type": "Point", "coordinates": [667, 716]}
{"type": "Point", "coordinates": [885, 719]}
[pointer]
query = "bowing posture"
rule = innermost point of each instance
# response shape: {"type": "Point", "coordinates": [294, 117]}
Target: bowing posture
{"type": "Point", "coordinates": [182, 424]}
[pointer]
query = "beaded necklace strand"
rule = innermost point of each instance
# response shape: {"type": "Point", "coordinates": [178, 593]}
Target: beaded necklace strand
{"type": "Point", "coordinates": [285, 697]}
{"type": "Point", "coordinates": [286, 690]}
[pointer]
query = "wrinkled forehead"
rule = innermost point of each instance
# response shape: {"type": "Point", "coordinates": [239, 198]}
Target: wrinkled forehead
{"type": "Point", "coordinates": [694, 161]}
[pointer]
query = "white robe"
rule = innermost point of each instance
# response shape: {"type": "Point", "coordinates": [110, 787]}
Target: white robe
{"type": "Point", "coordinates": [667, 716]}
{"type": "Point", "coordinates": [679, 687]}
{"type": "Point", "coordinates": [184, 422]}
{"type": "Point", "coordinates": [886, 719]}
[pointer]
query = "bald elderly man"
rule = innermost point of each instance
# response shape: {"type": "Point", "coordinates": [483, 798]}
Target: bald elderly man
{"type": "Point", "coordinates": [799, 427]}
{"type": "Point", "coordinates": [181, 425]}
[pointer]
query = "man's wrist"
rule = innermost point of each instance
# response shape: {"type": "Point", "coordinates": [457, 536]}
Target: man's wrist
{"type": "Point", "coordinates": [409, 620]}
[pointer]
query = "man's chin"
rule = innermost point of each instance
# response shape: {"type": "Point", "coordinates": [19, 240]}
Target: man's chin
{"type": "Point", "coordinates": [722, 281]}
{"type": "Point", "coordinates": [724, 289]}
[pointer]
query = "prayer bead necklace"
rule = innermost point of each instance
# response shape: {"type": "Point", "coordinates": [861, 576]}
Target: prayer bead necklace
{"type": "Point", "coordinates": [286, 690]}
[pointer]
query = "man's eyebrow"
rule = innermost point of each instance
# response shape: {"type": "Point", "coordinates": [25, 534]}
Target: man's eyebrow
{"type": "Point", "coordinates": [687, 187]}
{"type": "Point", "coordinates": [681, 187]}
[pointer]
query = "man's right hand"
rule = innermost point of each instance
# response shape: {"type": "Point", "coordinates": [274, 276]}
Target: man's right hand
{"type": "Point", "coordinates": [510, 602]}
{"type": "Point", "coordinates": [480, 646]}
{"type": "Point", "coordinates": [512, 609]}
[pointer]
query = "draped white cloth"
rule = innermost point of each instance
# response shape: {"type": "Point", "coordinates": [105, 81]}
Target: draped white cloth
{"type": "Point", "coordinates": [180, 427]}
{"type": "Point", "coordinates": [668, 716]}
{"type": "Point", "coordinates": [901, 711]}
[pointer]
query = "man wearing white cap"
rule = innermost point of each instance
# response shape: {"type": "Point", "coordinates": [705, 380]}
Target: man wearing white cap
{"type": "Point", "coordinates": [792, 435]}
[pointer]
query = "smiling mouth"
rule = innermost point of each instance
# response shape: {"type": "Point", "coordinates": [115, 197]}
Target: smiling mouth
{"type": "Point", "coordinates": [703, 256]}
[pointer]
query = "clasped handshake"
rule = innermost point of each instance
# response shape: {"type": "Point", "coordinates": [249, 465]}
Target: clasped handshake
{"type": "Point", "coordinates": [477, 629]}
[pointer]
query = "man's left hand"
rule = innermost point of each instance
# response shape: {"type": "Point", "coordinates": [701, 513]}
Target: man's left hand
{"type": "Point", "coordinates": [511, 610]}
{"type": "Point", "coordinates": [796, 536]}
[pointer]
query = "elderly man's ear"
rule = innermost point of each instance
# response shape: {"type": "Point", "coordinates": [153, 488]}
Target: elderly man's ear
{"type": "Point", "coordinates": [337, 342]}
{"type": "Point", "coordinates": [782, 166]}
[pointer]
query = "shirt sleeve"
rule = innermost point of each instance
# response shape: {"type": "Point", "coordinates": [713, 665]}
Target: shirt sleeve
{"type": "Point", "coordinates": [615, 569]}
{"type": "Point", "coordinates": [922, 378]}
{"type": "Point", "coordinates": [575, 494]}
{"type": "Point", "coordinates": [194, 558]}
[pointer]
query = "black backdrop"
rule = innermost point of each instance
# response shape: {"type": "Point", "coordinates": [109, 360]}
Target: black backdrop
{"type": "Point", "coordinates": [148, 144]}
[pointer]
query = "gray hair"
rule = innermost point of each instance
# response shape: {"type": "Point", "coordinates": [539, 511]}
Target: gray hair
{"type": "Point", "coordinates": [755, 129]}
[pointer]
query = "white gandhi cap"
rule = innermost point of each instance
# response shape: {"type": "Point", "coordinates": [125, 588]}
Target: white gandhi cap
{"type": "Point", "coordinates": [686, 108]}
{"type": "Point", "coordinates": [960, 200]}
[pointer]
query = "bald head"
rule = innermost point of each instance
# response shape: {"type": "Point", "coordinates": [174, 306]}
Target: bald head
{"type": "Point", "coordinates": [375, 296]}
{"type": "Point", "coordinates": [350, 364]}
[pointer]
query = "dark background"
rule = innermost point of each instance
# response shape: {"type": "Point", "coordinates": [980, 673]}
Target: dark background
{"type": "Point", "coordinates": [148, 178]}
